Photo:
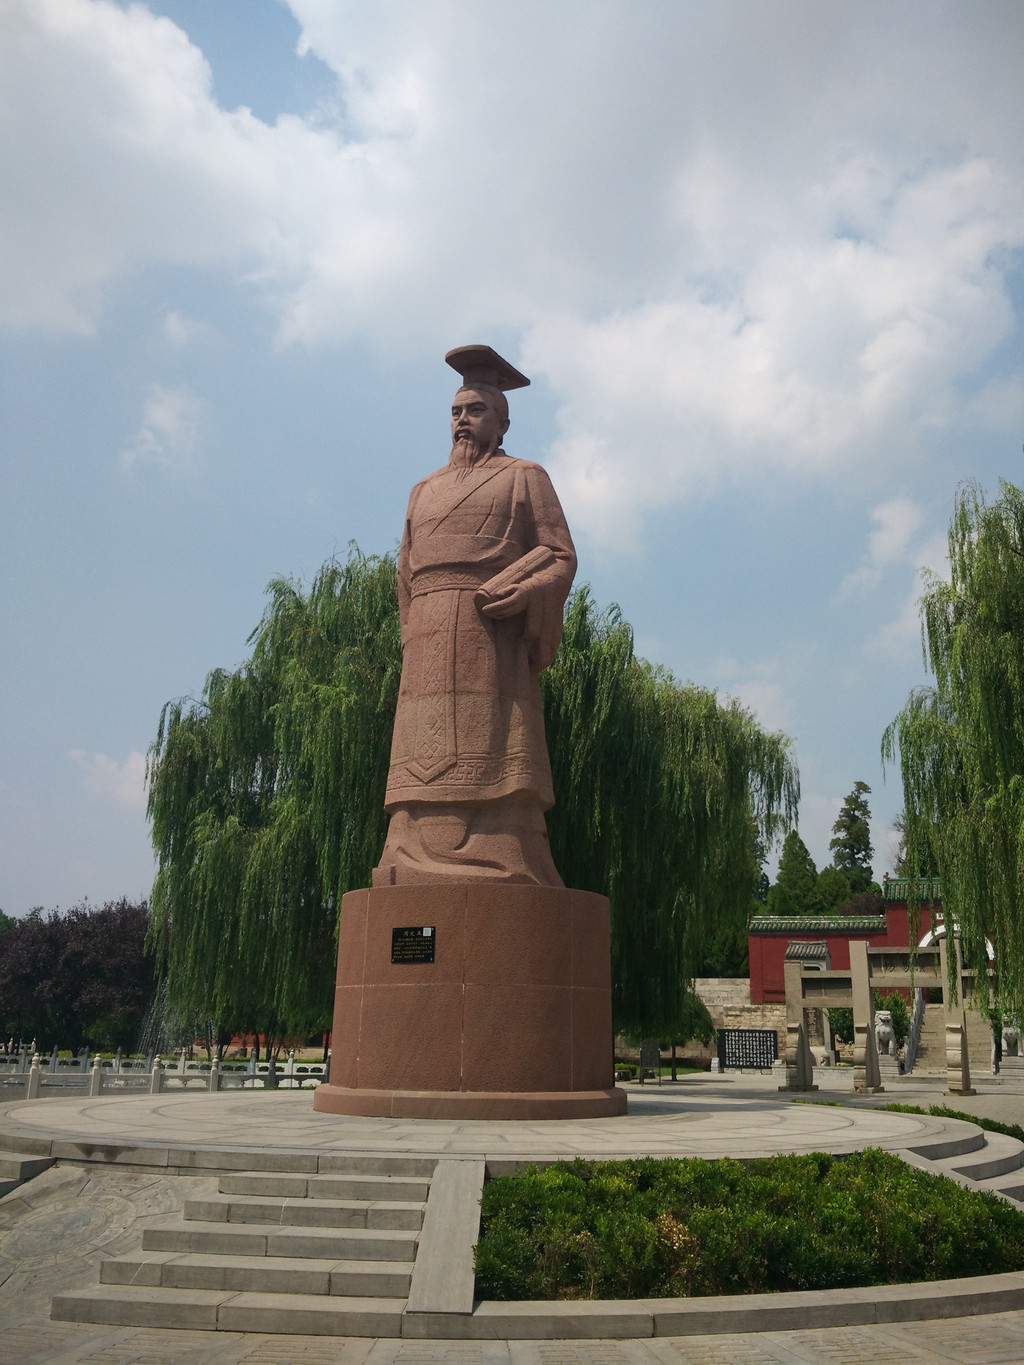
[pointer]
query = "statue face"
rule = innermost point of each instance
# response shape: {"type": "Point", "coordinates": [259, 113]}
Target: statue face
{"type": "Point", "coordinates": [475, 419]}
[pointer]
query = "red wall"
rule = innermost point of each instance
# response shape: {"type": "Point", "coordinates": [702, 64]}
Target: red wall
{"type": "Point", "coordinates": [768, 947]}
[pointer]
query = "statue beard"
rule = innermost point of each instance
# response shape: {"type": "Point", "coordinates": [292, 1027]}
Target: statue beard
{"type": "Point", "coordinates": [467, 453]}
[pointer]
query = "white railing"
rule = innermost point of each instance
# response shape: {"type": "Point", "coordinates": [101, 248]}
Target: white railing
{"type": "Point", "coordinates": [34, 1077]}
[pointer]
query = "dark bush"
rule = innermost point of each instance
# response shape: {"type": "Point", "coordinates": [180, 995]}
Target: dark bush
{"type": "Point", "coordinates": [652, 1228]}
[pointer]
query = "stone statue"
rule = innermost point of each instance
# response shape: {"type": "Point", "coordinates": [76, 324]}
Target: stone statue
{"type": "Point", "coordinates": [885, 1037]}
{"type": "Point", "coordinates": [484, 570]}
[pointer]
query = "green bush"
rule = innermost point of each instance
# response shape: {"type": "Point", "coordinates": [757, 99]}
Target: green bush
{"type": "Point", "coordinates": [841, 1018]}
{"type": "Point", "coordinates": [841, 1021]}
{"type": "Point", "coordinates": [897, 1006]}
{"type": "Point", "coordinates": [655, 1228]}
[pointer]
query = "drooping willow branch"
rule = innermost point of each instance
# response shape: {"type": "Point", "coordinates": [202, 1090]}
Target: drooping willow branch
{"type": "Point", "coordinates": [960, 744]}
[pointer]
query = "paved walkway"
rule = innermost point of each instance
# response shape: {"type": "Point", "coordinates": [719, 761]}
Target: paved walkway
{"type": "Point", "coordinates": [56, 1229]}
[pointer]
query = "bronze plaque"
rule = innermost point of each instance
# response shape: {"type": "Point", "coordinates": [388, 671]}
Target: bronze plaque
{"type": "Point", "coordinates": [413, 944]}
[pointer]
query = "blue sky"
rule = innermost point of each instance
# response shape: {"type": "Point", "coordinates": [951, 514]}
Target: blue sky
{"type": "Point", "coordinates": [763, 262]}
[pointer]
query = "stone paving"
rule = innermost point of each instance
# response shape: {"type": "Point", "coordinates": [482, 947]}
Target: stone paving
{"type": "Point", "coordinates": [700, 1117]}
{"type": "Point", "coordinates": [55, 1229]}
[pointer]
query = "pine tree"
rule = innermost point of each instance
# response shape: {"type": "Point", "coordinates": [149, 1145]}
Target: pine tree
{"type": "Point", "coordinates": [960, 743]}
{"type": "Point", "coordinates": [833, 890]}
{"type": "Point", "coordinates": [796, 887]}
{"type": "Point", "coordinates": [851, 839]}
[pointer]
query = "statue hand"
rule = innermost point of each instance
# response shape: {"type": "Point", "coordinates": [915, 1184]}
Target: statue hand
{"type": "Point", "coordinates": [509, 602]}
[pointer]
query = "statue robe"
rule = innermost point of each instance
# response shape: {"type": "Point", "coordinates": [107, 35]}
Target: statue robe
{"type": "Point", "coordinates": [469, 726]}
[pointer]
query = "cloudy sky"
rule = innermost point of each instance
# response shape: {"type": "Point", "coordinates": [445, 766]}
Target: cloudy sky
{"type": "Point", "coordinates": [762, 260]}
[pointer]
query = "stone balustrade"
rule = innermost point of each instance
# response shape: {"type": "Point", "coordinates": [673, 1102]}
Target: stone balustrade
{"type": "Point", "coordinates": [25, 1076]}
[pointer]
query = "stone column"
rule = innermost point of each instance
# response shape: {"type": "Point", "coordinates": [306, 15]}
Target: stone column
{"type": "Point", "coordinates": [866, 1077]}
{"type": "Point", "coordinates": [958, 1066]}
{"type": "Point", "coordinates": [799, 1062]}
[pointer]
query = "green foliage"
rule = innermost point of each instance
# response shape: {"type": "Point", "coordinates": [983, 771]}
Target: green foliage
{"type": "Point", "coordinates": [694, 1021]}
{"type": "Point", "coordinates": [900, 1011]}
{"type": "Point", "coordinates": [833, 889]}
{"type": "Point", "coordinates": [841, 1023]}
{"type": "Point", "coordinates": [662, 793]}
{"type": "Point", "coordinates": [75, 977]}
{"type": "Point", "coordinates": [267, 805]}
{"type": "Point", "coordinates": [961, 743]}
{"type": "Point", "coordinates": [652, 1228]}
{"type": "Point", "coordinates": [796, 887]}
{"type": "Point", "coordinates": [841, 1019]}
{"type": "Point", "coordinates": [726, 952]}
{"type": "Point", "coordinates": [851, 839]}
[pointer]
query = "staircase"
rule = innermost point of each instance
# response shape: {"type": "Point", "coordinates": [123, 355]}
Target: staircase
{"type": "Point", "coordinates": [991, 1162]}
{"type": "Point", "coordinates": [307, 1254]}
{"type": "Point", "coordinates": [931, 1046]}
{"type": "Point", "coordinates": [979, 1044]}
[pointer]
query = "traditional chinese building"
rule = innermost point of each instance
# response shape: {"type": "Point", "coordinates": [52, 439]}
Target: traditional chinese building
{"type": "Point", "coordinates": [825, 940]}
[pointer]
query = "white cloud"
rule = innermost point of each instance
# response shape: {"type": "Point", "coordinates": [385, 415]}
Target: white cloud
{"type": "Point", "coordinates": [102, 776]}
{"type": "Point", "coordinates": [764, 686]}
{"type": "Point", "coordinates": [900, 636]}
{"type": "Point", "coordinates": [818, 814]}
{"type": "Point", "coordinates": [768, 700]}
{"type": "Point", "coordinates": [788, 260]}
{"type": "Point", "coordinates": [896, 523]}
{"type": "Point", "coordinates": [180, 330]}
{"type": "Point", "coordinates": [169, 431]}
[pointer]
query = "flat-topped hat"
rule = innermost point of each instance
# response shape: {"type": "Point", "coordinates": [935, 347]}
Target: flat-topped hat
{"type": "Point", "coordinates": [482, 365]}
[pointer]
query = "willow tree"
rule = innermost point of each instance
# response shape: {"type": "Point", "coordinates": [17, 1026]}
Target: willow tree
{"type": "Point", "coordinates": [266, 799]}
{"type": "Point", "coordinates": [661, 792]}
{"type": "Point", "coordinates": [960, 743]}
{"type": "Point", "coordinates": [267, 804]}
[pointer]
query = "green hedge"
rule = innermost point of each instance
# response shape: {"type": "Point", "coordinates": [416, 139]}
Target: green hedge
{"type": "Point", "coordinates": [655, 1228]}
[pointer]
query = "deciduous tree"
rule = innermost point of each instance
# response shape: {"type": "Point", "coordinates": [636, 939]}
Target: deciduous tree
{"type": "Point", "coordinates": [77, 977]}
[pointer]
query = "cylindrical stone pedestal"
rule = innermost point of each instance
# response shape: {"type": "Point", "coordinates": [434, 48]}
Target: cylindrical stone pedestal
{"type": "Point", "coordinates": [512, 1018]}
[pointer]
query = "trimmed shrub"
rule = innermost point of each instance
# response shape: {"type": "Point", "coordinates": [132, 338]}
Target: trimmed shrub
{"type": "Point", "coordinates": [657, 1228]}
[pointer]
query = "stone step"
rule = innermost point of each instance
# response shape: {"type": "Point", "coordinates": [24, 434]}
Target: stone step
{"type": "Point", "coordinates": [259, 1274]}
{"type": "Point", "coordinates": [360, 1163]}
{"type": "Point", "coordinates": [305, 1212]}
{"type": "Point", "coordinates": [1000, 1155]}
{"type": "Point", "coordinates": [262, 1239]}
{"type": "Point", "coordinates": [389, 1187]}
{"type": "Point", "coordinates": [1010, 1189]}
{"type": "Point", "coordinates": [959, 1139]}
{"type": "Point", "coordinates": [17, 1167]}
{"type": "Point", "coordinates": [227, 1311]}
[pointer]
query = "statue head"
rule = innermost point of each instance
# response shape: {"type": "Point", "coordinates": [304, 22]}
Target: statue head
{"type": "Point", "coordinates": [479, 420]}
{"type": "Point", "coordinates": [480, 408]}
